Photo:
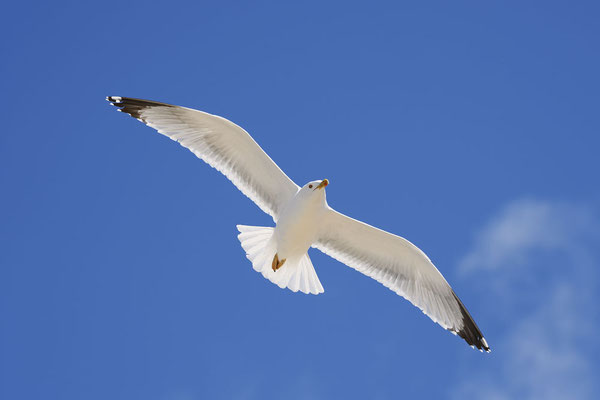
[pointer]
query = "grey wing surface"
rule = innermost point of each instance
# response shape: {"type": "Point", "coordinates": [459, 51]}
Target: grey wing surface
{"type": "Point", "coordinates": [220, 143]}
{"type": "Point", "coordinates": [400, 266]}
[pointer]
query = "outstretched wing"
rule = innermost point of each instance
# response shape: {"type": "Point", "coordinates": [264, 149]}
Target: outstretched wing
{"type": "Point", "coordinates": [220, 143]}
{"type": "Point", "coordinates": [400, 266]}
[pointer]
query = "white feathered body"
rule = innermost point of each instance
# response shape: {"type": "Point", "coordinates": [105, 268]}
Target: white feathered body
{"type": "Point", "coordinates": [303, 219]}
{"type": "Point", "coordinates": [297, 228]}
{"type": "Point", "coordinates": [298, 225]}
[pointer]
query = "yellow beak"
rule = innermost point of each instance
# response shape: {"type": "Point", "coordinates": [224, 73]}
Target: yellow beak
{"type": "Point", "coordinates": [323, 183]}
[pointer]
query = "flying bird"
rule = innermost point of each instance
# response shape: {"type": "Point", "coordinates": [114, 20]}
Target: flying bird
{"type": "Point", "coordinates": [303, 219]}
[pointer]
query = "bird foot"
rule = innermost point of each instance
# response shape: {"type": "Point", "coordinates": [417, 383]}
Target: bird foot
{"type": "Point", "coordinates": [277, 263]}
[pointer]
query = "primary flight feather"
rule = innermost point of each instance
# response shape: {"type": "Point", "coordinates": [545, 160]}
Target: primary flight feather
{"type": "Point", "coordinates": [303, 219]}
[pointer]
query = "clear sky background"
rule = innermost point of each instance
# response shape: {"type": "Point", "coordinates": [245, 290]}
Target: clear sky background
{"type": "Point", "coordinates": [471, 129]}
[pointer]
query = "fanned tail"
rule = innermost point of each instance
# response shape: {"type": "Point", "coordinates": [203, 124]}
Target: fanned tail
{"type": "Point", "coordinates": [296, 274]}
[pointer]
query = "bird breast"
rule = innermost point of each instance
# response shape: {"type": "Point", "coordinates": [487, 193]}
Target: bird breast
{"type": "Point", "coordinates": [297, 228]}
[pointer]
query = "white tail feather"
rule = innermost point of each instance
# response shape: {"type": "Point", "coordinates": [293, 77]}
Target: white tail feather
{"type": "Point", "coordinates": [296, 274]}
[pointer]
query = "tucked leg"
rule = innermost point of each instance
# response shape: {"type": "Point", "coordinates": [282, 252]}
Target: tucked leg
{"type": "Point", "coordinates": [277, 263]}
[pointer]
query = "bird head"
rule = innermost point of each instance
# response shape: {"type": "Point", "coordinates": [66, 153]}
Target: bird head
{"type": "Point", "coordinates": [314, 190]}
{"type": "Point", "coordinates": [316, 185]}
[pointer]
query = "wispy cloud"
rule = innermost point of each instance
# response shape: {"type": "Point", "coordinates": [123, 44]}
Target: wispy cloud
{"type": "Point", "coordinates": [527, 226]}
{"type": "Point", "coordinates": [539, 258]}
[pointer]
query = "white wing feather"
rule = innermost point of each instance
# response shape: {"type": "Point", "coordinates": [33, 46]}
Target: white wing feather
{"type": "Point", "coordinates": [220, 143]}
{"type": "Point", "coordinates": [400, 266]}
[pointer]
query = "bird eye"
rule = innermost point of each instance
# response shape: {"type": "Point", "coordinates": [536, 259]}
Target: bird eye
{"type": "Point", "coordinates": [310, 186]}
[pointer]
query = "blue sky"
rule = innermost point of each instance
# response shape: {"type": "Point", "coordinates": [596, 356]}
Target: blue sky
{"type": "Point", "coordinates": [474, 127]}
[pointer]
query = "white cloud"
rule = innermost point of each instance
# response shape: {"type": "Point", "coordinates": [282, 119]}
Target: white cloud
{"type": "Point", "coordinates": [526, 226]}
{"type": "Point", "coordinates": [539, 260]}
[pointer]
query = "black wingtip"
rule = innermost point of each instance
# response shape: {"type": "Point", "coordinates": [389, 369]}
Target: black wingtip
{"type": "Point", "coordinates": [470, 331]}
{"type": "Point", "coordinates": [134, 107]}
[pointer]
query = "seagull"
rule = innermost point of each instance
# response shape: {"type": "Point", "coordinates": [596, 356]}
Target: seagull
{"type": "Point", "coordinates": [303, 219]}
